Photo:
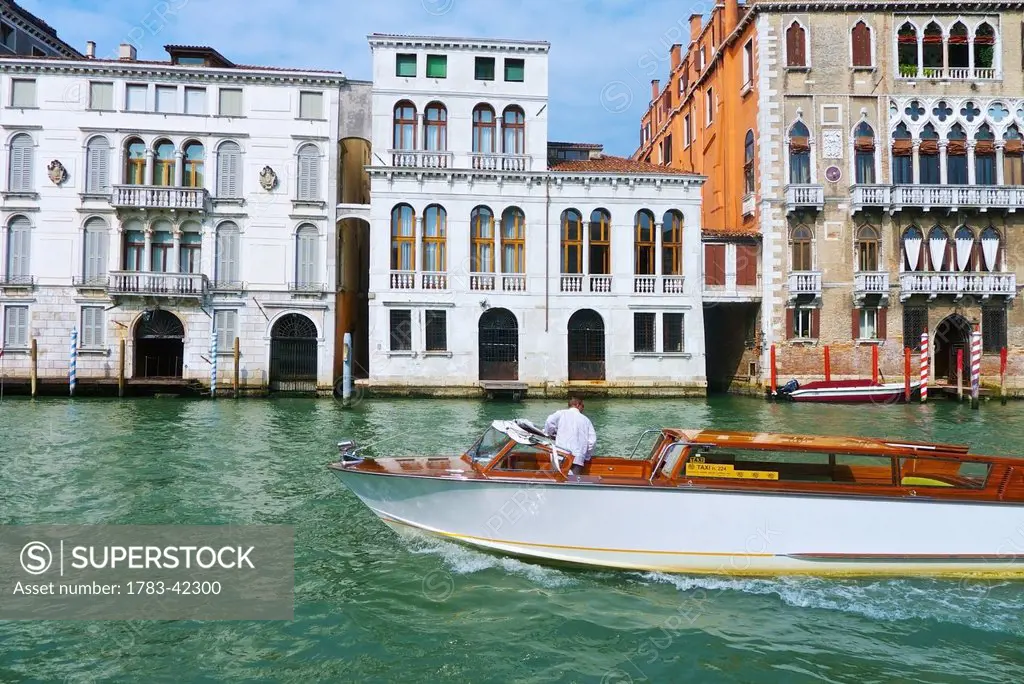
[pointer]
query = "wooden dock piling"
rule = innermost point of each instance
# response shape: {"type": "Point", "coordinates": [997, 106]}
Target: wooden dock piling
{"type": "Point", "coordinates": [906, 374]}
{"type": "Point", "coordinates": [234, 379]}
{"type": "Point", "coordinates": [120, 366]}
{"type": "Point", "coordinates": [828, 364]}
{"type": "Point", "coordinates": [33, 356]}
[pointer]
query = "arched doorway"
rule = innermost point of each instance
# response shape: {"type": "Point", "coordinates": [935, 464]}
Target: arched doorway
{"type": "Point", "coordinates": [586, 345]}
{"type": "Point", "coordinates": [159, 345]}
{"type": "Point", "coordinates": [498, 345]}
{"type": "Point", "coordinates": [952, 334]}
{"type": "Point", "coordinates": [293, 353]}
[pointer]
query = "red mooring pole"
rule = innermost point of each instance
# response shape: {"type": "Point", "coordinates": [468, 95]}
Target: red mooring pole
{"type": "Point", "coordinates": [906, 374]}
{"type": "Point", "coordinates": [828, 365]}
{"type": "Point", "coordinates": [771, 363]}
{"type": "Point", "coordinates": [874, 363]}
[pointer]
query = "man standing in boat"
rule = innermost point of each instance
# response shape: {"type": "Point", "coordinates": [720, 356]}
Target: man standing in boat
{"type": "Point", "coordinates": [573, 432]}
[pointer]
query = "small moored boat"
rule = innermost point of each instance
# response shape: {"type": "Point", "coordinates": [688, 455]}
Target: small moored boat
{"type": "Point", "coordinates": [848, 391]}
{"type": "Point", "coordinates": [709, 501]}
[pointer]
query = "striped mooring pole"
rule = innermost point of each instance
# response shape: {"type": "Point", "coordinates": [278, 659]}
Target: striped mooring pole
{"type": "Point", "coordinates": [975, 366]}
{"type": "Point", "coordinates": [213, 364]}
{"type": "Point", "coordinates": [924, 367]}
{"type": "Point", "coordinates": [73, 362]}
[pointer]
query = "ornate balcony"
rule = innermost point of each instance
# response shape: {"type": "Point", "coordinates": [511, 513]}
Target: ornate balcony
{"type": "Point", "coordinates": [421, 159]}
{"type": "Point", "coordinates": [403, 280]}
{"type": "Point", "coordinates": [983, 197]}
{"type": "Point", "coordinates": [804, 197]}
{"type": "Point", "coordinates": [868, 283]}
{"type": "Point", "coordinates": [958, 284]}
{"type": "Point", "coordinates": [912, 72]}
{"type": "Point", "coordinates": [159, 197]}
{"type": "Point", "coordinates": [865, 196]}
{"type": "Point", "coordinates": [513, 283]}
{"type": "Point", "coordinates": [585, 284]}
{"type": "Point", "coordinates": [17, 282]}
{"type": "Point", "coordinates": [649, 284]}
{"type": "Point", "coordinates": [135, 283]}
{"type": "Point", "coordinates": [804, 283]}
{"type": "Point", "coordinates": [500, 162]}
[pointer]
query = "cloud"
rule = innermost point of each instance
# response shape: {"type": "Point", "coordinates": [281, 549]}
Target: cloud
{"type": "Point", "coordinates": [604, 53]}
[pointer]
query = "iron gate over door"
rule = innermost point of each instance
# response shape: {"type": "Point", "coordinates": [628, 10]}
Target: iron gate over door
{"type": "Point", "coordinates": [499, 345]}
{"type": "Point", "coordinates": [586, 346]}
{"type": "Point", "coordinates": [159, 345]}
{"type": "Point", "coordinates": [293, 352]}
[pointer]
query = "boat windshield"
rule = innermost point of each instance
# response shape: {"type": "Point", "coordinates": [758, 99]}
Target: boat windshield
{"type": "Point", "coordinates": [488, 446]}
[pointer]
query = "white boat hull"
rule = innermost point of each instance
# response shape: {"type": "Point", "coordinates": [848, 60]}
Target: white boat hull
{"type": "Point", "coordinates": [690, 530]}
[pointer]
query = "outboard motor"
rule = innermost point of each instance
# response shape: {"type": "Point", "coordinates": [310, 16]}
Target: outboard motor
{"type": "Point", "coordinates": [788, 388]}
{"type": "Point", "coordinates": [347, 453]}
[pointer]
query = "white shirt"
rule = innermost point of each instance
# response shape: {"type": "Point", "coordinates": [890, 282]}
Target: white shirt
{"type": "Point", "coordinates": [573, 432]}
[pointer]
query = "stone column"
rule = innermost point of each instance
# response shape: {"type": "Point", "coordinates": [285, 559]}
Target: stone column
{"type": "Point", "coordinates": [148, 179]}
{"type": "Point", "coordinates": [971, 175]}
{"type": "Point", "coordinates": [175, 265]}
{"type": "Point", "coordinates": [147, 253]}
{"type": "Point", "coordinates": [179, 169]}
{"type": "Point", "coordinates": [916, 145]}
{"type": "Point", "coordinates": [1000, 178]}
{"type": "Point", "coordinates": [943, 171]}
{"type": "Point", "coordinates": [658, 246]}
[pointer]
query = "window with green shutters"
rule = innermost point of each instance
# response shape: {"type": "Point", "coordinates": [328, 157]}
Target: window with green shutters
{"type": "Point", "coordinates": [16, 326]}
{"type": "Point", "coordinates": [229, 167]}
{"type": "Point", "coordinates": [19, 240]}
{"type": "Point", "coordinates": [485, 68]}
{"type": "Point", "coordinates": [92, 326]}
{"type": "Point", "coordinates": [437, 66]}
{"type": "Point", "coordinates": [94, 268]}
{"type": "Point", "coordinates": [97, 165]}
{"type": "Point", "coordinates": [405, 65]}
{"type": "Point", "coordinates": [515, 70]}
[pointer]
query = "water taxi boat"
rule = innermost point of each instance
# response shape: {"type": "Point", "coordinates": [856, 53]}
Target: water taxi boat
{"type": "Point", "coordinates": [709, 501]}
{"type": "Point", "coordinates": [849, 391]}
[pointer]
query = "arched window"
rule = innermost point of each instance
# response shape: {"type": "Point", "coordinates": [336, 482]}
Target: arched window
{"type": "Point", "coordinates": [867, 249]}
{"type": "Point", "coordinates": [799, 154]}
{"type": "Point", "coordinates": [902, 156]}
{"type": "Point", "coordinates": [193, 160]}
{"type": "Point", "coordinates": [97, 165]}
{"type": "Point", "coordinates": [748, 163]}
{"type": "Point", "coordinates": [1013, 161]}
{"type": "Point", "coordinates": [572, 241]}
{"type": "Point", "coordinates": [19, 250]}
{"type": "Point", "coordinates": [481, 240]}
{"type": "Point", "coordinates": [864, 154]}
{"type": "Point", "coordinates": [796, 45]}
{"type": "Point", "coordinates": [307, 256]}
{"type": "Point", "coordinates": [984, 156]}
{"type": "Point", "coordinates": [405, 126]}
{"type": "Point", "coordinates": [600, 242]}
{"type": "Point", "coordinates": [958, 48]}
{"type": "Point", "coordinates": [403, 238]}
{"type": "Point", "coordinates": [19, 167]}
{"type": "Point", "coordinates": [932, 51]}
{"type": "Point", "coordinates": [860, 37]}
{"type": "Point", "coordinates": [800, 244]}
{"type": "Point", "coordinates": [226, 269]}
{"type": "Point", "coordinates": [94, 252]}
{"type": "Point", "coordinates": [644, 243]}
{"type": "Point", "coordinates": [984, 48]}
{"type": "Point", "coordinates": [484, 125]}
{"type": "Point", "coordinates": [906, 39]}
{"type": "Point", "coordinates": [991, 249]}
{"type": "Point", "coordinates": [672, 243]}
{"type": "Point", "coordinates": [938, 247]}
{"type": "Point", "coordinates": [436, 127]}
{"type": "Point", "coordinates": [161, 246]}
{"type": "Point", "coordinates": [912, 241]}
{"type": "Point", "coordinates": [135, 162]}
{"type": "Point", "coordinates": [435, 231]}
{"type": "Point", "coordinates": [308, 164]}
{"type": "Point", "coordinates": [956, 156]}
{"type": "Point", "coordinates": [229, 170]}
{"type": "Point", "coordinates": [928, 156]}
{"type": "Point", "coordinates": [513, 127]}
{"type": "Point", "coordinates": [513, 241]}
{"type": "Point", "coordinates": [963, 240]}
{"type": "Point", "coordinates": [163, 167]}
{"type": "Point", "coordinates": [134, 245]}
{"type": "Point", "coordinates": [190, 248]}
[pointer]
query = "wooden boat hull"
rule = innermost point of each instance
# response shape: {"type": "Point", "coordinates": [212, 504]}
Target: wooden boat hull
{"type": "Point", "coordinates": [853, 393]}
{"type": "Point", "coordinates": [702, 530]}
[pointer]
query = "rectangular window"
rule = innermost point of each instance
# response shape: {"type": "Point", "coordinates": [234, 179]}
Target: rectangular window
{"type": "Point", "coordinates": [993, 329]}
{"type": "Point", "coordinates": [915, 322]}
{"type": "Point", "coordinates": [311, 105]}
{"type": "Point", "coordinates": [746, 265]}
{"type": "Point", "coordinates": [484, 68]}
{"type": "Point", "coordinates": [23, 92]}
{"type": "Point", "coordinates": [902, 170]}
{"type": "Point", "coordinates": [7, 35]}
{"type": "Point", "coordinates": [16, 326]}
{"type": "Point", "coordinates": [644, 339]}
{"type": "Point", "coordinates": [674, 339]}
{"type": "Point", "coordinates": [867, 324]}
{"type": "Point", "coordinates": [195, 100]}
{"type": "Point", "coordinates": [667, 156]}
{"type": "Point", "coordinates": [803, 319]}
{"type": "Point", "coordinates": [95, 258]}
{"type": "Point", "coordinates": [710, 106]}
{"type": "Point", "coordinates": [101, 96]}
{"type": "Point", "coordinates": [135, 96]}
{"type": "Point", "coordinates": [436, 329]}
{"type": "Point", "coordinates": [515, 70]}
{"type": "Point", "coordinates": [748, 62]}
{"type": "Point", "coordinates": [92, 326]}
{"type": "Point", "coordinates": [401, 330]}
{"type": "Point", "coordinates": [230, 102]}
{"type": "Point", "coordinates": [225, 323]}
{"type": "Point", "coordinates": [167, 99]}
{"type": "Point", "coordinates": [686, 131]}
{"type": "Point", "coordinates": [405, 65]}
{"type": "Point", "coordinates": [714, 265]}
{"type": "Point", "coordinates": [437, 66]}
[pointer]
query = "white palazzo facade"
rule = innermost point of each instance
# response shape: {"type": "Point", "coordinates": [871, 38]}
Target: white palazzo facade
{"type": "Point", "coordinates": [168, 203]}
{"type": "Point", "coordinates": [497, 260]}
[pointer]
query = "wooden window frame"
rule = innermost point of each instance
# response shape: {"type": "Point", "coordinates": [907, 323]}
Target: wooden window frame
{"type": "Point", "coordinates": [164, 168]}
{"type": "Point", "coordinates": [672, 247]}
{"type": "Point", "coordinates": [438, 125]}
{"type": "Point", "coordinates": [568, 242]}
{"type": "Point", "coordinates": [193, 175]}
{"type": "Point", "coordinates": [135, 167]}
{"type": "Point", "coordinates": [398, 240]}
{"type": "Point", "coordinates": [516, 242]}
{"type": "Point", "coordinates": [400, 124]}
{"type": "Point", "coordinates": [602, 244]}
{"type": "Point", "coordinates": [479, 126]}
{"type": "Point", "coordinates": [643, 247]}
{"type": "Point", "coordinates": [517, 128]}
{"type": "Point", "coordinates": [478, 243]}
{"type": "Point", "coordinates": [439, 238]}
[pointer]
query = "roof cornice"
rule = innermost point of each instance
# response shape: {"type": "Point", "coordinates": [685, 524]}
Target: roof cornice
{"type": "Point", "coordinates": [891, 5]}
{"type": "Point", "coordinates": [86, 67]}
{"type": "Point", "coordinates": [438, 42]}
{"type": "Point", "coordinates": [585, 177]}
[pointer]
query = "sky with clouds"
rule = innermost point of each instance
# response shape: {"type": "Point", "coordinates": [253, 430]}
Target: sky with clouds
{"type": "Point", "coordinates": [604, 53]}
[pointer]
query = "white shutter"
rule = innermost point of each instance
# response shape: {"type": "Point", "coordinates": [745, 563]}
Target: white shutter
{"type": "Point", "coordinates": [16, 326]}
{"type": "Point", "coordinates": [97, 166]}
{"type": "Point", "coordinates": [18, 248]}
{"type": "Point", "coordinates": [95, 251]}
{"type": "Point", "coordinates": [304, 170]}
{"type": "Point", "coordinates": [20, 169]}
{"type": "Point", "coordinates": [92, 326]}
{"type": "Point", "coordinates": [225, 325]}
{"type": "Point", "coordinates": [307, 266]}
{"type": "Point", "coordinates": [227, 254]}
{"type": "Point", "coordinates": [228, 166]}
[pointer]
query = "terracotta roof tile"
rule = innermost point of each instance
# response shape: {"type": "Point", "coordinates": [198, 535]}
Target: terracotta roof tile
{"type": "Point", "coordinates": [610, 164]}
{"type": "Point", "coordinates": [734, 232]}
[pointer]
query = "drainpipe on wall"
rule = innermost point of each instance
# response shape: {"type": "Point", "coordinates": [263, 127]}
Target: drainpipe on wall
{"type": "Point", "coordinates": [547, 249]}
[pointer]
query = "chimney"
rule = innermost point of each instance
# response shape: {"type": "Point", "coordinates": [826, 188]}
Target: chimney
{"type": "Point", "coordinates": [90, 49]}
{"type": "Point", "coordinates": [127, 52]}
{"type": "Point", "coordinates": [731, 16]}
{"type": "Point", "coordinates": [677, 55]}
{"type": "Point", "coordinates": [695, 26]}
{"type": "Point", "coordinates": [655, 89]}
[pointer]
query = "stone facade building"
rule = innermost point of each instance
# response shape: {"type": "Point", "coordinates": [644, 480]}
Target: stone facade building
{"type": "Point", "coordinates": [490, 267]}
{"type": "Point", "coordinates": [165, 204]}
{"type": "Point", "coordinates": [23, 33]}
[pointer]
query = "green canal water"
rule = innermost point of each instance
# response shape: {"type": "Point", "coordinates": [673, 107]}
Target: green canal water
{"type": "Point", "coordinates": [375, 607]}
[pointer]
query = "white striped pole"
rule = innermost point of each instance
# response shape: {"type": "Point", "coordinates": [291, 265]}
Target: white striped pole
{"type": "Point", "coordinates": [213, 364]}
{"type": "Point", "coordinates": [924, 367]}
{"type": "Point", "coordinates": [73, 362]}
{"type": "Point", "coordinates": [975, 367]}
